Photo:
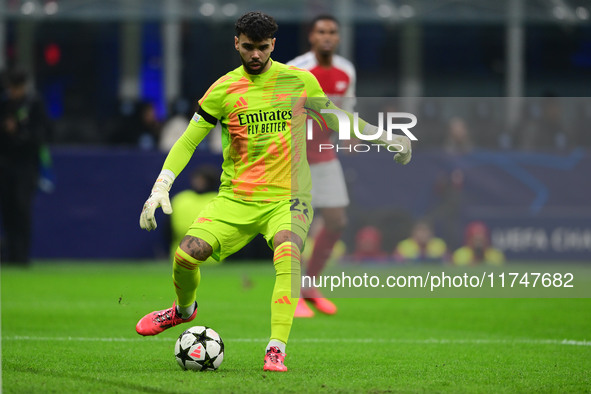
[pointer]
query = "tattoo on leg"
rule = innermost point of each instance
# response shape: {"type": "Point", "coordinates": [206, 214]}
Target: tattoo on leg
{"type": "Point", "coordinates": [196, 247]}
{"type": "Point", "coordinates": [287, 236]}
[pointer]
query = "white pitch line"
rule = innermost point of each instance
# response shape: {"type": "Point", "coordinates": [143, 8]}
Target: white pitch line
{"type": "Point", "coordinates": [428, 341]}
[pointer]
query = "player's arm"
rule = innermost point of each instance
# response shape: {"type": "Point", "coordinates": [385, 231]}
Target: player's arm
{"type": "Point", "coordinates": [398, 143]}
{"type": "Point", "coordinates": [318, 101]}
{"type": "Point", "coordinates": [176, 160]}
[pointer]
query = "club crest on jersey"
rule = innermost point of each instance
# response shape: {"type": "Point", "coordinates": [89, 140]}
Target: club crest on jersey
{"type": "Point", "coordinates": [282, 96]}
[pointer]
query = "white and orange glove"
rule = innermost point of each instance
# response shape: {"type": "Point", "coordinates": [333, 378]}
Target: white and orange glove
{"type": "Point", "coordinates": [158, 198]}
{"type": "Point", "coordinates": [398, 143]}
{"type": "Point", "coordinates": [404, 155]}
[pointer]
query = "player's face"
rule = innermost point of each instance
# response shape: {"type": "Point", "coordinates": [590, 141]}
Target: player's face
{"type": "Point", "coordinates": [324, 37]}
{"type": "Point", "coordinates": [255, 55]}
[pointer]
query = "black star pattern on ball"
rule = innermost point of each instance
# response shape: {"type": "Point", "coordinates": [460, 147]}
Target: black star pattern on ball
{"type": "Point", "coordinates": [183, 354]}
{"type": "Point", "coordinates": [207, 363]}
{"type": "Point", "coordinates": [200, 338]}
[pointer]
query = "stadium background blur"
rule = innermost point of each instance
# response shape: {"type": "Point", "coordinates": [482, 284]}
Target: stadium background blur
{"type": "Point", "coordinates": [113, 72]}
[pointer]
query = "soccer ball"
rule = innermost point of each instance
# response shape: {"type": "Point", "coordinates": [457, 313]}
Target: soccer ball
{"type": "Point", "coordinates": [199, 349]}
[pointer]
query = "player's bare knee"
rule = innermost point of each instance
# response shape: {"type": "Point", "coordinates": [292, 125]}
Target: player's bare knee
{"type": "Point", "coordinates": [196, 247]}
{"type": "Point", "coordinates": [287, 236]}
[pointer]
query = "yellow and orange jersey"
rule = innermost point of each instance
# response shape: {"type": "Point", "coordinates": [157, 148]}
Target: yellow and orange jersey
{"type": "Point", "coordinates": [263, 119]}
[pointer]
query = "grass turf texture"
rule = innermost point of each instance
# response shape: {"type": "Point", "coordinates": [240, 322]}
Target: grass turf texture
{"type": "Point", "coordinates": [70, 328]}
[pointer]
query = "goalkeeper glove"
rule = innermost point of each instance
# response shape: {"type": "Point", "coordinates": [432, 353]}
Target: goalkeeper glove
{"type": "Point", "coordinates": [404, 155]}
{"type": "Point", "coordinates": [399, 143]}
{"type": "Point", "coordinates": [158, 198]}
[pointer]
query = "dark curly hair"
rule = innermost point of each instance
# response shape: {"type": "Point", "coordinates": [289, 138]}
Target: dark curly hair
{"type": "Point", "coordinates": [322, 17]}
{"type": "Point", "coordinates": [256, 26]}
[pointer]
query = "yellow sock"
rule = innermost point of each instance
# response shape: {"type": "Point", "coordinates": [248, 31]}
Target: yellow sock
{"type": "Point", "coordinates": [186, 276]}
{"type": "Point", "coordinates": [286, 291]}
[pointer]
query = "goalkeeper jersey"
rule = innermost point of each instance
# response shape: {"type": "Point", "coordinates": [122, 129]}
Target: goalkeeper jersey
{"type": "Point", "coordinates": [263, 137]}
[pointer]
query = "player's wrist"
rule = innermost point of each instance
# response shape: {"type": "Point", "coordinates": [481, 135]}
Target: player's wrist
{"type": "Point", "coordinates": [165, 180]}
{"type": "Point", "coordinates": [400, 142]}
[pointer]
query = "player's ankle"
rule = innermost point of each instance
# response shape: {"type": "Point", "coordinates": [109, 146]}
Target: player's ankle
{"type": "Point", "coordinates": [186, 312]}
{"type": "Point", "coordinates": [276, 343]}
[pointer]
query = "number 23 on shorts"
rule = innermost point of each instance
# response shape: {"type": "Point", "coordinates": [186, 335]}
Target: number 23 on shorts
{"type": "Point", "coordinates": [299, 210]}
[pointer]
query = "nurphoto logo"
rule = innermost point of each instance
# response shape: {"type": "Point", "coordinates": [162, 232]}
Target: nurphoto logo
{"type": "Point", "coordinates": [392, 121]}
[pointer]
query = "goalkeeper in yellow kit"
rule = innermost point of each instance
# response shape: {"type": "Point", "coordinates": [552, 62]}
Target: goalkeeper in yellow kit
{"type": "Point", "coordinates": [265, 184]}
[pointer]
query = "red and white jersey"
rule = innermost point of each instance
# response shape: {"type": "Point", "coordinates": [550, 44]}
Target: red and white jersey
{"type": "Point", "coordinates": [336, 81]}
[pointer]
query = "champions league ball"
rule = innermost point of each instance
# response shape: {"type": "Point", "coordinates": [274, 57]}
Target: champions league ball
{"type": "Point", "coordinates": [199, 349]}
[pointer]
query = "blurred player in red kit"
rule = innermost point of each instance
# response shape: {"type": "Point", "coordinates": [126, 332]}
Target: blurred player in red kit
{"type": "Point", "coordinates": [336, 76]}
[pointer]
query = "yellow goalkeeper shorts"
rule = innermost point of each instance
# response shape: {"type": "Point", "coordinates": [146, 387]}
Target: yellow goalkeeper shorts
{"type": "Point", "coordinates": [228, 224]}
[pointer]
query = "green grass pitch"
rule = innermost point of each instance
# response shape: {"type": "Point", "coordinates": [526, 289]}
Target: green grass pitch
{"type": "Point", "coordinates": [70, 327]}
